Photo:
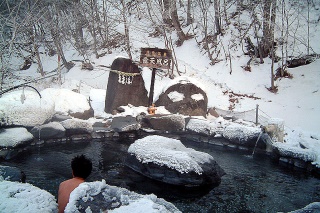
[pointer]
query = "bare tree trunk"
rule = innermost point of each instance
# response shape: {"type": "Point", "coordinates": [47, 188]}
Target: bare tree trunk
{"type": "Point", "coordinates": [36, 51]}
{"type": "Point", "coordinates": [217, 16]}
{"type": "Point", "coordinates": [204, 10]}
{"type": "Point", "coordinates": [225, 12]}
{"type": "Point", "coordinates": [126, 29]}
{"type": "Point", "coordinates": [3, 71]}
{"type": "Point", "coordinates": [92, 27]}
{"type": "Point", "coordinates": [308, 46]}
{"type": "Point", "coordinates": [78, 35]}
{"type": "Point", "coordinates": [272, 69]}
{"type": "Point", "coordinates": [175, 21]}
{"type": "Point", "coordinates": [166, 12]}
{"type": "Point", "coordinates": [189, 17]}
{"type": "Point", "coordinates": [269, 15]}
{"type": "Point", "coordinates": [259, 48]}
{"type": "Point", "coordinates": [282, 38]}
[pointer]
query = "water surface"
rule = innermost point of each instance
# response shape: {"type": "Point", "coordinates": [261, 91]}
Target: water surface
{"type": "Point", "coordinates": [252, 184]}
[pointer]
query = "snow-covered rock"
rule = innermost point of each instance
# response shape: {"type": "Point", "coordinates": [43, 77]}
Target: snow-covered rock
{"type": "Point", "coordinates": [169, 123]}
{"type": "Point", "coordinates": [169, 161]}
{"type": "Point", "coordinates": [68, 102]}
{"type": "Point", "coordinates": [98, 197]}
{"type": "Point", "coordinates": [125, 124]}
{"type": "Point", "coordinates": [51, 130]}
{"type": "Point", "coordinates": [25, 108]}
{"type": "Point", "coordinates": [201, 126]}
{"type": "Point", "coordinates": [185, 97]}
{"type": "Point", "coordinates": [242, 135]}
{"type": "Point", "coordinates": [13, 137]}
{"type": "Point", "coordinates": [24, 197]}
{"type": "Point", "coordinates": [77, 126]}
{"type": "Point", "coordinates": [287, 150]}
{"type": "Point", "coordinates": [312, 207]}
{"type": "Point", "coordinates": [10, 173]}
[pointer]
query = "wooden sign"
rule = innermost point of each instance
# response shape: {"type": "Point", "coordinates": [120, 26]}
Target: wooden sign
{"type": "Point", "coordinates": [156, 58]}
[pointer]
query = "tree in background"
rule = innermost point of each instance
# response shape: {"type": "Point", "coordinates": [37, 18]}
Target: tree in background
{"type": "Point", "coordinates": [31, 28]}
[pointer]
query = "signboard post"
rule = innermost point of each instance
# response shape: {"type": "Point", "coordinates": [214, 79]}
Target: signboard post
{"type": "Point", "coordinates": [155, 58]}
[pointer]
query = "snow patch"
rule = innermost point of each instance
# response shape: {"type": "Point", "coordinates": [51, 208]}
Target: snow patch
{"type": "Point", "coordinates": [176, 96]}
{"type": "Point", "coordinates": [197, 97]}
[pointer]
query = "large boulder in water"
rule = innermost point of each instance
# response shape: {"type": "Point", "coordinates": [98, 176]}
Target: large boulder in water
{"type": "Point", "coordinates": [100, 197]}
{"type": "Point", "coordinates": [68, 102]}
{"type": "Point", "coordinates": [168, 123]}
{"type": "Point", "coordinates": [14, 137]}
{"type": "Point", "coordinates": [184, 98]}
{"type": "Point", "coordinates": [125, 86]}
{"type": "Point", "coordinates": [243, 135]}
{"type": "Point", "coordinates": [77, 126]}
{"type": "Point", "coordinates": [51, 130]}
{"type": "Point", "coordinates": [168, 160]}
{"type": "Point", "coordinates": [125, 124]}
{"type": "Point", "coordinates": [11, 173]}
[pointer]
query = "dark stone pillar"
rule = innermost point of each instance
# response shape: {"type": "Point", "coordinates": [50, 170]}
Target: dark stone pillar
{"type": "Point", "coordinates": [125, 92]}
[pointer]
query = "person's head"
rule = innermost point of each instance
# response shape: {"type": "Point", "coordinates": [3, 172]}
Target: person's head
{"type": "Point", "coordinates": [81, 166]}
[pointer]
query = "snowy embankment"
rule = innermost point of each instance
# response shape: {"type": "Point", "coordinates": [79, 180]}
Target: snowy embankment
{"type": "Point", "coordinates": [27, 109]}
{"type": "Point", "coordinates": [24, 197]}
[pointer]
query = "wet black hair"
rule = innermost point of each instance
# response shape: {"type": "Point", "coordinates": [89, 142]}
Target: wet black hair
{"type": "Point", "coordinates": [81, 166]}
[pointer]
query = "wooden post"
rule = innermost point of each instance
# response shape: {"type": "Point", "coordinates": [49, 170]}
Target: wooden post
{"type": "Point", "coordinates": [152, 86]}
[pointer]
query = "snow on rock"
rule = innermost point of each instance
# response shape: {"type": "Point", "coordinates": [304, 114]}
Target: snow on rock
{"type": "Point", "coordinates": [175, 96]}
{"type": "Point", "coordinates": [67, 101]}
{"type": "Point", "coordinates": [169, 152]}
{"type": "Point", "coordinates": [25, 108]}
{"type": "Point", "coordinates": [202, 126]}
{"type": "Point", "coordinates": [184, 80]}
{"type": "Point", "coordinates": [312, 207]}
{"type": "Point", "coordinates": [241, 134]}
{"type": "Point", "coordinates": [13, 137]}
{"type": "Point", "coordinates": [197, 97]}
{"type": "Point", "coordinates": [125, 124]}
{"type": "Point", "coordinates": [305, 144]}
{"type": "Point", "coordinates": [286, 150]}
{"type": "Point", "coordinates": [77, 126]}
{"type": "Point", "coordinates": [168, 123]}
{"type": "Point", "coordinates": [24, 197]}
{"type": "Point", "coordinates": [98, 197]}
{"type": "Point", "coordinates": [131, 110]}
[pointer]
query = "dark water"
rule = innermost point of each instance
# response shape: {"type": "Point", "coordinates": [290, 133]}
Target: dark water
{"type": "Point", "coordinates": [250, 185]}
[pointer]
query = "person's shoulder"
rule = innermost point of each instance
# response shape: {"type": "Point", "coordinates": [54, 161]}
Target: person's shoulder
{"type": "Point", "coordinates": [65, 182]}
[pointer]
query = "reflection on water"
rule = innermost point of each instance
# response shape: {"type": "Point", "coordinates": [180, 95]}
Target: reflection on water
{"type": "Point", "coordinates": [252, 184]}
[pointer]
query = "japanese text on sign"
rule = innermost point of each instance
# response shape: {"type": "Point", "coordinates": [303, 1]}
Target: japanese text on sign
{"type": "Point", "coordinates": [155, 58]}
